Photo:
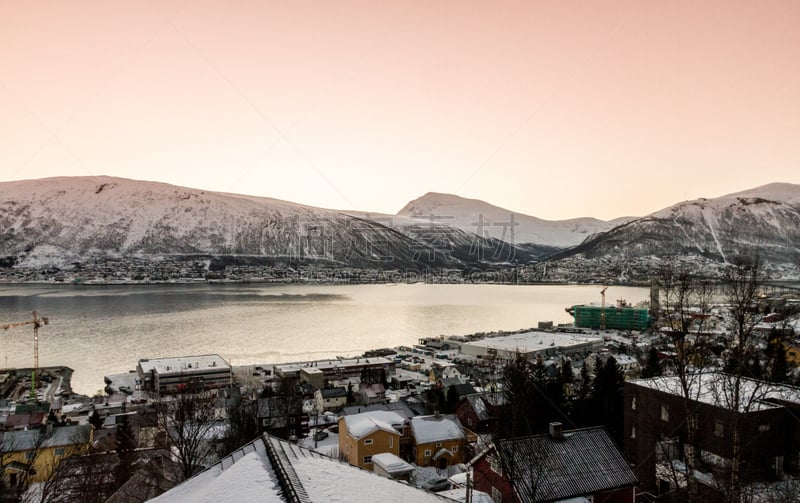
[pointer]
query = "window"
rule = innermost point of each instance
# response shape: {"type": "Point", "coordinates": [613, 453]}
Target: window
{"type": "Point", "coordinates": [454, 449]}
{"type": "Point", "coordinates": [664, 413]}
{"type": "Point", "coordinates": [719, 429]}
{"type": "Point", "coordinates": [633, 431]}
{"type": "Point", "coordinates": [494, 463]}
{"type": "Point", "coordinates": [427, 453]}
{"type": "Point", "coordinates": [368, 441]}
{"type": "Point", "coordinates": [391, 442]}
{"type": "Point", "coordinates": [497, 496]}
{"type": "Point", "coordinates": [438, 444]}
{"type": "Point", "coordinates": [59, 451]}
{"type": "Point", "coordinates": [367, 460]}
{"type": "Point", "coordinates": [763, 427]}
{"type": "Point", "coordinates": [633, 403]}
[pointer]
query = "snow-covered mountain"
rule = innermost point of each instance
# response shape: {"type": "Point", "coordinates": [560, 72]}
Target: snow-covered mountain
{"type": "Point", "coordinates": [476, 216]}
{"type": "Point", "coordinates": [60, 220]}
{"type": "Point", "coordinates": [765, 220]}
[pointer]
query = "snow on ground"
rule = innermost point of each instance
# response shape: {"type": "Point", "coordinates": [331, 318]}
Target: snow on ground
{"type": "Point", "coordinates": [328, 446]}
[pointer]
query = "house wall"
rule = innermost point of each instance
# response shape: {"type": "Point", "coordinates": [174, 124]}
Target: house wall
{"type": "Point", "coordinates": [456, 446]}
{"type": "Point", "coordinates": [332, 404]}
{"type": "Point", "coordinates": [492, 483]}
{"type": "Point", "coordinates": [624, 495]}
{"type": "Point", "coordinates": [466, 414]}
{"type": "Point", "coordinates": [354, 450]}
{"type": "Point", "coordinates": [44, 461]}
{"type": "Point", "coordinates": [766, 433]}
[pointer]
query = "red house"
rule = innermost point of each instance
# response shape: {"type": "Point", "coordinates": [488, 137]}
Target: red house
{"type": "Point", "coordinates": [554, 467]}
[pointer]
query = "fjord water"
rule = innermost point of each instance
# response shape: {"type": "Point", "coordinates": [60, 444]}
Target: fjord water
{"type": "Point", "coordinates": [100, 330]}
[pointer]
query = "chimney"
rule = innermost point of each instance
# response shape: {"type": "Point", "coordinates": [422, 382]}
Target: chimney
{"type": "Point", "coordinates": [556, 431]}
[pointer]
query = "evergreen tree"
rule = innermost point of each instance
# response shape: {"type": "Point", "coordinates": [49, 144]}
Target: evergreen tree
{"type": "Point", "coordinates": [779, 369]}
{"type": "Point", "coordinates": [566, 375]}
{"type": "Point", "coordinates": [652, 367]}
{"type": "Point", "coordinates": [96, 420]}
{"type": "Point", "coordinates": [586, 379]}
{"type": "Point", "coordinates": [452, 399]}
{"type": "Point", "coordinates": [607, 397]}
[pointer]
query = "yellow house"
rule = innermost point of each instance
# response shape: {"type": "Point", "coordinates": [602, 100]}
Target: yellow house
{"type": "Point", "coordinates": [31, 455]}
{"type": "Point", "coordinates": [361, 436]}
{"type": "Point", "coordinates": [792, 354]}
{"type": "Point", "coordinates": [438, 440]}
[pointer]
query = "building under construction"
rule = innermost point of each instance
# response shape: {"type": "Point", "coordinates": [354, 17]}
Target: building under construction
{"type": "Point", "coordinates": [619, 317]}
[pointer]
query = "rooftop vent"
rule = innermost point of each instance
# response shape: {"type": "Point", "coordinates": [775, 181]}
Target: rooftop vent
{"type": "Point", "coordinates": [556, 431]}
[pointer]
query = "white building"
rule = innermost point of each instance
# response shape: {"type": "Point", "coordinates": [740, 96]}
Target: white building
{"type": "Point", "coordinates": [184, 373]}
{"type": "Point", "coordinates": [531, 344]}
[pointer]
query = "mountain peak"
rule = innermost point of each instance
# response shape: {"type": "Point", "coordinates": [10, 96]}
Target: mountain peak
{"type": "Point", "coordinates": [777, 191]}
{"type": "Point", "coordinates": [484, 219]}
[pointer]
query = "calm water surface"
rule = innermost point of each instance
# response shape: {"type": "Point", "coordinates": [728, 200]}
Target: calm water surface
{"type": "Point", "coordinates": [100, 330]}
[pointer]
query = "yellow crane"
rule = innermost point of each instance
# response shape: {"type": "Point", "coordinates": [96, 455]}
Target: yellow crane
{"type": "Point", "coordinates": [603, 308]}
{"type": "Point", "coordinates": [36, 322]}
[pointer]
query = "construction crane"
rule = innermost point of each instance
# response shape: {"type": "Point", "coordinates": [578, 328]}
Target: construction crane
{"type": "Point", "coordinates": [36, 322]}
{"type": "Point", "coordinates": [603, 308]}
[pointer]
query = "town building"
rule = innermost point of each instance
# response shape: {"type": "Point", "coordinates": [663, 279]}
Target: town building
{"type": "Point", "coordinates": [330, 399]}
{"type": "Point", "coordinates": [532, 344]}
{"type": "Point", "coordinates": [34, 453]}
{"type": "Point", "coordinates": [338, 368]}
{"type": "Point", "coordinates": [577, 465]}
{"type": "Point", "coordinates": [479, 412]}
{"type": "Point", "coordinates": [184, 374]}
{"type": "Point", "coordinates": [439, 440]}
{"type": "Point", "coordinates": [619, 317]}
{"type": "Point", "coordinates": [763, 421]}
{"type": "Point", "coordinates": [364, 435]}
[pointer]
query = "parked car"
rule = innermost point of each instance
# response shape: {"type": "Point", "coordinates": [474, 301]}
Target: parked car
{"type": "Point", "coordinates": [436, 484]}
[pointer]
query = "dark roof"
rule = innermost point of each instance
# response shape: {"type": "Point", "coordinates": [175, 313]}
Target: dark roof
{"type": "Point", "coordinates": [463, 389]}
{"type": "Point", "coordinates": [333, 392]}
{"type": "Point", "coordinates": [32, 408]}
{"type": "Point", "coordinates": [544, 469]}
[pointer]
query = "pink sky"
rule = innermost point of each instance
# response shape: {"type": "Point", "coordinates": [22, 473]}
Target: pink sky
{"type": "Point", "coordinates": [555, 109]}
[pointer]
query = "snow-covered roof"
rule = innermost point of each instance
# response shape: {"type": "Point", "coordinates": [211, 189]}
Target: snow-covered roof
{"type": "Point", "coordinates": [366, 423]}
{"type": "Point", "coordinates": [182, 363]}
{"type": "Point", "coordinates": [436, 428]}
{"type": "Point", "coordinates": [251, 474]}
{"type": "Point", "coordinates": [714, 388]}
{"type": "Point", "coordinates": [246, 475]}
{"type": "Point", "coordinates": [527, 342]}
{"type": "Point", "coordinates": [391, 463]}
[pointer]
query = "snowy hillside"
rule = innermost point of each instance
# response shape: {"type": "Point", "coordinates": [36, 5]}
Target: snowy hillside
{"type": "Point", "coordinates": [58, 220]}
{"type": "Point", "coordinates": [764, 220]}
{"type": "Point", "coordinates": [473, 215]}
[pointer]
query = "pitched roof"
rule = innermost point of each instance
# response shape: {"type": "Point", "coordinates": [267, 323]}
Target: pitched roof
{"type": "Point", "coordinates": [436, 428]}
{"type": "Point", "coordinates": [269, 469]}
{"type": "Point", "coordinates": [333, 392]}
{"type": "Point", "coordinates": [366, 423]}
{"type": "Point", "coordinates": [61, 436]}
{"type": "Point", "coordinates": [583, 462]}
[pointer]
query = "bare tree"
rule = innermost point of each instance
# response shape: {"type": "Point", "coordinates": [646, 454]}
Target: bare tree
{"type": "Point", "coordinates": [737, 389]}
{"type": "Point", "coordinates": [685, 300]}
{"type": "Point", "coordinates": [187, 422]}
